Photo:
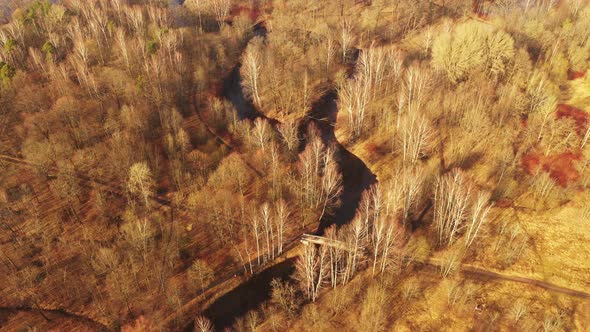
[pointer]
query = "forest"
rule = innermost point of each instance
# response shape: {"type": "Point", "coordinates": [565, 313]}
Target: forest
{"type": "Point", "coordinates": [294, 165]}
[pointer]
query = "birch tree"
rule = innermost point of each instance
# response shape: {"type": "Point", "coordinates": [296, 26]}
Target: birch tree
{"type": "Point", "coordinates": [479, 215]}
{"type": "Point", "coordinates": [336, 255]}
{"type": "Point", "coordinates": [322, 274]}
{"type": "Point", "coordinates": [381, 214]}
{"type": "Point", "coordinates": [356, 238]}
{"type": "Point", "coordinates": [310, 162]}
{"type": "Point", "coordinates": [540, 99]}
{"type": "Point", "coordinates": [407, 188]}
{"type": "Point", "coordinates": [377, 70]}
{"type": "Point", "coordinates": [262, 133]}
{"type": "Point", "coordinates": [451, 204]}
{"type": "Point", "coordinates": [459, 207]}
{"type": "Point", "coordinates": [251, 68]}
{"type": "Point", "coordinates": [255, 226]}
{"type": "Point", "coordinates": [197, 6]}
{"type": "Point", "coordinates": [413, 93]}
{"type": "Point", "coordinates": [281, 216]}
{"type": "Point", "coordinates": [415, 136]}
{"type": "Point", "coordinates": [354, 99]}
{"type": "Point", "coordinates": [392, 239]}
{"type": "Point", "coordinates": [331, 183]}
{"type": "Point", "coordinates": [312, 270]}
{"type": "Point", "coordinates": [267, 224]}
{"type": "Point", "coordinates": [288, 131]}
{"type": "Point", "coordinates": [306, 270]}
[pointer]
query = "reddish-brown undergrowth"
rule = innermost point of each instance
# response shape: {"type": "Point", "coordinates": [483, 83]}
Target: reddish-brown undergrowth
{"type": "Point", "coordinates": [375, 149]}
{"type": "Point", "coordinates": [578, 115]}
{"type": "Point", "coordinates": [574, 75]}
{"type": "Point", "coordinates": [241, 10]}
{"type": "Point", "coordinates": [561, 167]}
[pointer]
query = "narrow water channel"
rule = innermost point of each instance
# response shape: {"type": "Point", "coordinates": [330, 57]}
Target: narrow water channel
{"type": "Point", "coordinates": [356, 178]}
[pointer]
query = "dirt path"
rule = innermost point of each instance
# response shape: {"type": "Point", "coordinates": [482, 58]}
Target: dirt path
{"type": "Point", "coordinates": [91, 323]}
{"type": "Point", "coordinates": [483, 274]}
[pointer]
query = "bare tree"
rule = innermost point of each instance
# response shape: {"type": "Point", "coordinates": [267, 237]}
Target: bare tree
{"type": "Point", "coordinates": [281, 216]}
{"type": "Point", "coordinates": [451, 204]}
{"type": "Point", "coordinates": [200, 273]}
{"type": "Point", "coordinates": [220, 9]}
{"type": "Point", "coordinates": [81, 50]}
{"type": "Point", "coordinates": [275, 169]}
{"type": "Point", "coordinates": [262, 132]}
{"type": "Point", "coordinates": [135, 18]}
{"type": "Point", "coordinates": [247, 260]}
{"type": "Point", "coordinates": [202, 324]}
{"type": "Point", "coordinates": [255, 226]}
{"type": "Point", "coordinates": [354, 99]}
{"type": "Point", "coordinates": [479, 214]}
{"type": "Point", "coordinates": [140, 181]}
{"type": "Point", "coordinates": [284, 295]}
{"type": "Point", "coordinates": [322, 274]}
{"type": "Point", "coordinates": [306, 268]}
{"type": "Point", "coordinates": [310, 165]}
{"type": "Point", "coordinates": [373, 65]}
{"type": "Point", "coordinates": [198, 7]}
{"type": "Point", "coordinates": [331, 182]}
{"type": "Point", "coordinates": [346, 37]}
{"type": "Point", "coordinates": [267, 224]}
{"type": "Point", "coordinates": [67, 187]}
{"type": "Point", "coordinates": [406, 189]}
{"type": "Point", "coordinates": [373, 315]}
{"type": "Point", "coordinates": [357, 240]}
{"type": "Point", "coordinates": [251, 67]}
{"type": "Point", "coordinates": [456, 210]}
{"type": "Point", "coordinates": [336, 255]}
{"type": "Point", "coordinates": [359, 95]}
{"type": "Point", "coordinates": [38, 59]}
{"type": "Point", "coordinates": [311, 270]}
{"type": "Point", "coordinates": [139, 234]}
{"type": "Point", "coordinates": [413, 93]}
{"type": "Point", "coordinates": [378, 231]}
{"type": "Point", "coordinates": [330, 49]}
{"type": "Point", "coordinates": [288, 131]}
{"type": "Point", "coordinates": [541, 100]}
{"type": "Point", "coordinates": [472, 46]}
{"type": "Point", "coordinates": [380, 213]}
{"type": "Point", "coordinates": [392, 239]}
{"type": "Point", "coordinates": [415, 137]}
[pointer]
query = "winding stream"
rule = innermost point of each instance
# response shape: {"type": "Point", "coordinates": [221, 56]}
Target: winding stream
{"type": "Point", "coordinates": [356, 178]}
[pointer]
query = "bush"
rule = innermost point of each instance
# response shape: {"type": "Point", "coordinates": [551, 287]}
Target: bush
{"type": "Point", "coordinates": [469, 47]}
